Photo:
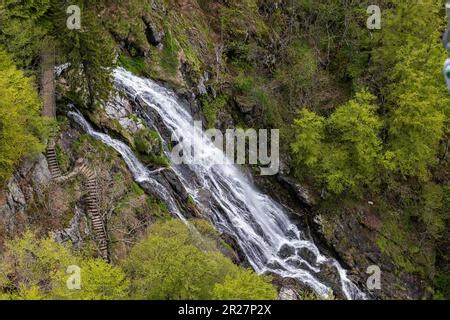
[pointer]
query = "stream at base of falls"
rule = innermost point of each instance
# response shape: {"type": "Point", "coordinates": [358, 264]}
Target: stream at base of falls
{"type": "Point", "coordinates": [271, 242]}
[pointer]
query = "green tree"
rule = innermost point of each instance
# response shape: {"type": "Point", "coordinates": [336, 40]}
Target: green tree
{"type": "Point", "coordinates": [344, 150]}
{"type": "Point", "coordinates": [246, 285]}
{"type": "Point", "coordinates": [407, 68]}
{"type": "Point", "coordinates": [99, 281]}
{"type": "Point", "coordinates": [23, 29]}
{"type": "Point", "coordinates": [34, 268]}
{"type": "Point", "coordinates": [21, 127]}
{"type": "Point", "coordinates": [89, 51]}
{"type": "Point", "coordinates": [27, 28]}
{"type": "Point", "coordinates": [176, 262]}
{"type": "Point", "coordinates": [297, 72]}
{"type": "Point", "coordinates": [310, 133]}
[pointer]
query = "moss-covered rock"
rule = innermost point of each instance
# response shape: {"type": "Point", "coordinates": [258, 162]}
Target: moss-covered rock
{"type": "Point", "coordinates": [149, 146]}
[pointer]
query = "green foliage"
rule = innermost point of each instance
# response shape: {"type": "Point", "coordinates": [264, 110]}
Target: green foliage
{"type": "Point", "coordinates": [342, 151]}
{"type": "Point", "coordinates": [149, 145]}
{"type": "Point", "coordinates": [250, 92]}
{"type": "Point", "coordinates": [23, 29]}
{"type": "Point", "coordinates": [27, 28]}
{"type": "Point", "coordinates": [62, 158]}
{"type": "Point", "coordinates": [296, 74]}
{"type": "Point", "coordinates": [308, 146]}
{"type": "Point", "coordinates": [26, 9]}
{"type": "Point", "coordinates": [442, 285]}
{"type": "Point", "coordinates": [240, 18]}
{"type": "Point", "coordinates": [408, 65]}
{"type": "Point", "coordinates": [337, 30]}
{"type": "Point", "coordinates": [398, 239]}
{"type": "Point", "coordinates": [90, 52]}
{"type": "Point", "coordinates": [21, 127]}
{"type": "Point", "coordinates": [169, 59]}
{"type": "Point", "coordinates": [33, 268]}
{"type": "Point", "coordinates": [211, 108]}
{"type": "Point", "coordinates": [432, 210]}
{"type": "Point", "coordinates": [147, 141]}
{"type": "Point", "coordinates": [246, 285]}
{"type": "Point", "coordinates": [176, 262]}
{"type": "Point", "coordinates": [99, 281]}
{"type": "Point", "coordinates": [135, 65]}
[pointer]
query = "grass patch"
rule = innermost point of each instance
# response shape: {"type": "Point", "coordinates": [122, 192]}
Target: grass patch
{"type": "Point", "coordinates": [62, 158]}
{"type": "Point", "coordinates": [211, 108]}
{"type": "Point", "coordinates": [169, 58]}
{"type": "Point", "coordinates": [398, 239]}
{"type": "Point", "coordinates": [135, 65]}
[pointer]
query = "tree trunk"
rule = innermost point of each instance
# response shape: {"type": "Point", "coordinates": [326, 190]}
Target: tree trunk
{"type": "Point", "coordinates": [48, 82]}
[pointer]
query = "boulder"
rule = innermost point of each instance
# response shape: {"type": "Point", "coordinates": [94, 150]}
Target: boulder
{"type": "Point", "coordinates": [287, 294]}
{"type": "Point", "coordinates": [286, 251]}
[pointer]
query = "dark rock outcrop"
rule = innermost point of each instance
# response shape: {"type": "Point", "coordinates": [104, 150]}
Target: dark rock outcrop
{"type": "Point", "coordinates": [297, 190]}
{"type": "Point", "coordinates": [154, 36]}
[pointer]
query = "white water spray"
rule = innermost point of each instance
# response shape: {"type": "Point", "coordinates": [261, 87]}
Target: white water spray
{"type": "Point", "coordinates": [260, 225]}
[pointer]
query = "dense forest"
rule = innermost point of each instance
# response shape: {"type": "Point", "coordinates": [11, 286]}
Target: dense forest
{"type": "Point", "coordinates": [363, 117]}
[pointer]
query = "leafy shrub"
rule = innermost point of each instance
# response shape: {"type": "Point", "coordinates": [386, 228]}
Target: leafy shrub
{"type": "Point", "coordinates": [176, 262]}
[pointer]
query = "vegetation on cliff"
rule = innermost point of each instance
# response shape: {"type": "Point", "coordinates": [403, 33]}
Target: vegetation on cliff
{"type": "Point", "coordinates": [363, 117]}
{"type": "Point", "coordinates": [174, 262]}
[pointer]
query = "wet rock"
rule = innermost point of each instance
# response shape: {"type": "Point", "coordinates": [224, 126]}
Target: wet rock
{"type": "Point", "coordinates": [308, 255]}
{"type": "Point", "coordinates": [298, 264]}
{"type": "Point", "coordinates": [239, 256]}
{"type": "Point", "coordinates": [201, 84]}
{"type": "Point", "coordinates": [274, 265]}
{"type": "Point", "coordinates": [329, 275]}
{"type": "Point", "coordinates": [286, 251]}
{"type": "Point", "coordinates": [287, 294]}
{"type": "Point", "coordinates": [176, 185]}
{"type": "Point", "coordinates": [154, 36]}
{"type": "Point", "coordinates": [301, 192]}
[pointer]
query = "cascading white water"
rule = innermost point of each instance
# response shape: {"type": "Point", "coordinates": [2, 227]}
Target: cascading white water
{"type": "Point", "coordinates": [259, 224]}
{"type": "Point", "coordinates": [140, 173]}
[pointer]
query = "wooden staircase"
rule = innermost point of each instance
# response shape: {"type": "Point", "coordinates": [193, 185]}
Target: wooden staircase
{"type": "Point", "coordinates": [52, 160]}
{"type": "Point", "coordinates": [93, 209]}
{"type": "Point", "coordinates": [92, 199]}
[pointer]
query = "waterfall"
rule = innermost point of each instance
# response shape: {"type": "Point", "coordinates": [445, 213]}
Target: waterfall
{"type": "Point", "coordinates": [271, 242]}
{"type": "Point", "coordinates": [140, 173]}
